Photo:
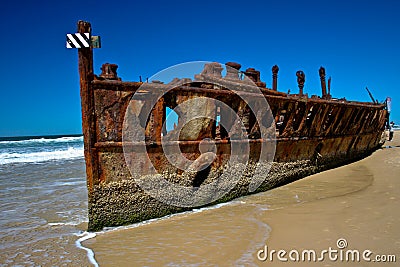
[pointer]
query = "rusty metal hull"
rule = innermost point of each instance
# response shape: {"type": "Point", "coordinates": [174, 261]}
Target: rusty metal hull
{"type": "Point", "coordinates": [311, 135]}
{"type": "Point", "coordinates": [340, 132]}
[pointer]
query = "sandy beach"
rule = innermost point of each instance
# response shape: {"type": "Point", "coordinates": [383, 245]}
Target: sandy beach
{"type": "Point", "coordinates": [366, 212]}
{"type": "Point", "coordinates": [357, 203]}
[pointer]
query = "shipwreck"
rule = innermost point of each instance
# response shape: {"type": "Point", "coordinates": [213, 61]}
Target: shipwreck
{"type": "Point", "coordinates": [275, 137]}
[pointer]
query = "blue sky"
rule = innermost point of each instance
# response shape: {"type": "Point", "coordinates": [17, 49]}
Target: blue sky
{"type": "Point", "coordinates": [358, 42]}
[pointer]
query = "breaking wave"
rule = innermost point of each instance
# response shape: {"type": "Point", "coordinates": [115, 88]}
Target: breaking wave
{"type": "Point", "coordinates": [32, 149]}
{"type": "Point", "coordinates": [42, 140]}
{"type": "Point", "coordinates": [68, 153]}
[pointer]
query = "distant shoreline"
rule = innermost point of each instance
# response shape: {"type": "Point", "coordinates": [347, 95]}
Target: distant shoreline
{"type": "Point", "coordinates": [19, 138]}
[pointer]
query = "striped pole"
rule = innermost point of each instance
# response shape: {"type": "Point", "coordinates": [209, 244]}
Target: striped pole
{"type": "Point", "coordinates": [78, 40]}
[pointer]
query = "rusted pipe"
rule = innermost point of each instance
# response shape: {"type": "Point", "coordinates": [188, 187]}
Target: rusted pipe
{"type": "Point", "coordinates": [301, 78]}
{"type": "Point", "coordinates": [323, 82]}
{"type": "Point", "coordinates": [275, 70]}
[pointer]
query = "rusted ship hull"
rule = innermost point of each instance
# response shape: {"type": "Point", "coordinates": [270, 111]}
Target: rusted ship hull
{"type": "Point", "coordinates": [310, 135]}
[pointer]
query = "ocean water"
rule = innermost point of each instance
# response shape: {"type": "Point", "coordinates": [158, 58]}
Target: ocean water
{"type": "Point", "coordinates": [43, 201]}
{"type": "Point", "coordinates": [43, 215]}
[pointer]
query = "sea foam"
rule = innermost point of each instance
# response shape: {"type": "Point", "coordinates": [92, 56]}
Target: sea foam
{"type": "Point", "coordinates": [62, 154]}
{"type": "Point", "coordinates": [43, 140]}
{"type": "Point", "coordinates": [82, 237]}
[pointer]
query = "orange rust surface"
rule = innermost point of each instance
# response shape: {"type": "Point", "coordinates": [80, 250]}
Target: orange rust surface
{"type": "Point", "coordinates": [304, 126]}
{"type": "Point", "coordinates": [316, 130]}
{"type": "Point", "coordinates": [339, 126]}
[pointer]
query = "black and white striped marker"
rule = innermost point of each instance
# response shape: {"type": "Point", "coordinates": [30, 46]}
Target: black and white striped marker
{"type": "Point", "coordinates": [78, 40]}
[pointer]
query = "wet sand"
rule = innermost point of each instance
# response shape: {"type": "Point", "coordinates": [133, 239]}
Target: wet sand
{"type": "Point", "coordinates": [358, 202]}
{"type": "Point", "coordinates": [367, 219]}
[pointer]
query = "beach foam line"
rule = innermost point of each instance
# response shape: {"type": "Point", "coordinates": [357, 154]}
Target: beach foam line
{"type": "Point", "coordinates": [69, 153]}
{"type": "Point", "coordinates": [247, 257]}
{"type": "Point", "coordinates": [83, 237]}
{"type": "Point", "coordinates": [61, 223]}
{"type": "Point", "coordinates": [45, 140]}
{"type": "Point", "coordinates": [75, 223]}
